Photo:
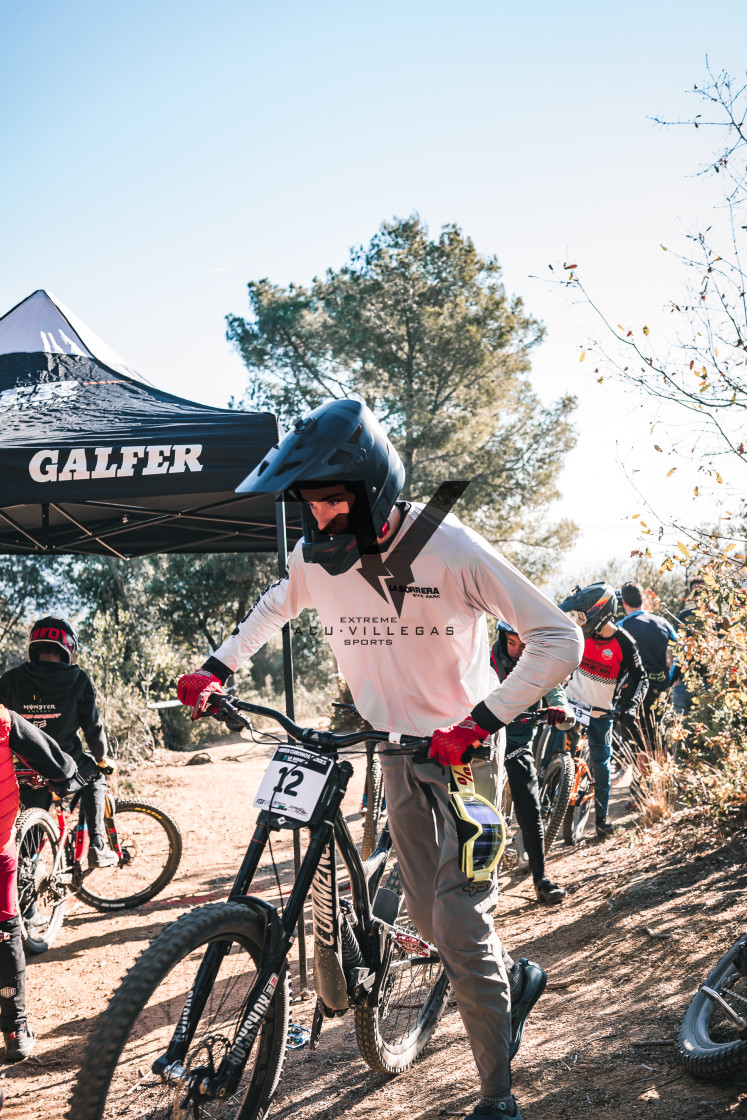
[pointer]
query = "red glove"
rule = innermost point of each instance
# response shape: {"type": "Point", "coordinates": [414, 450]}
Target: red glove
{"type": "Point", "coordinates": [554, 716]}
{"type": "Point", "coordinates": [194, 689]}
{"type": "Point", "coordinates": [449, 744]}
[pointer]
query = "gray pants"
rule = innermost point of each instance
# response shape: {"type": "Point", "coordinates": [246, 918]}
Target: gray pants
{"type": "Point", "coordinates": [450, 910]}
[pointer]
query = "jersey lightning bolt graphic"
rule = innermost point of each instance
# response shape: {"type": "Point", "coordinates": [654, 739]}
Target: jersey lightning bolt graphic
{"type": "Point", "coordinates": [391, 576]}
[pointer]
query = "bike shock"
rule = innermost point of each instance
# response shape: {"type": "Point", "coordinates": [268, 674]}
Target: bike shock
{"type": "Point", "coordinates": [351, 950]}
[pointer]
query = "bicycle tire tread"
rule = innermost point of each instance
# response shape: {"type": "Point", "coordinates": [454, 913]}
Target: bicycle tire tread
{"type": "Point", "coordinates": [112, 1029]}
{"type": "Point", "coordinates": [38, 945]}
{"type": "Point", "coordinates": [563, 762]}
{"type": "Point", "coordinates": [131, 902]}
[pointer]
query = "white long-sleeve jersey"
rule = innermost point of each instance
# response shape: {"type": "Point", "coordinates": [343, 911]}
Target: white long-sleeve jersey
{"type": "Point", "coordinates": [428, 666]}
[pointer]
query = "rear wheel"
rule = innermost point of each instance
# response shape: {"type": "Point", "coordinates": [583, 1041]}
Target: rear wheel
{"type": "Point", "coordinates": [374, 805]}
{"type": "Point", "coordinates": [141, 1018]}
{"type": "Point", "coordinates": [151, 849]}
{"type": "Point", "coordinates": [412, 996]}
{"type": "Point", "coordinates": [41, 893]}
{"type": "Point", "coordinates": [554, 793]}
{"type": "Point", "coordinates": [710, 1042]}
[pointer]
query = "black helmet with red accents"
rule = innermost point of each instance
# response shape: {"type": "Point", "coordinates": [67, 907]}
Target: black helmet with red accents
{"type": "Point", "coordinates": [52, 633]}
{"type": "Point", "coordinates": [592, 607]}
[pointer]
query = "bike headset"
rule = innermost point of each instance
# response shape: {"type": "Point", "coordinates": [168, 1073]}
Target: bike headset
{"type": "Point", "coordinates": [480, 827]}
{"type": "Point", "coordinates": [591, 607]}
{"type": "Point", "coordinates": [341, 441]}
{"type": "Point", "coordinates": [54, 633]}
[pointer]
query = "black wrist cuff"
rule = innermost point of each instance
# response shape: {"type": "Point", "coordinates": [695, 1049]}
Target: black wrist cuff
{"type": "Point", "coordinates": [218, 669]}
{"type": "Point", "coordinates": [486, 719]}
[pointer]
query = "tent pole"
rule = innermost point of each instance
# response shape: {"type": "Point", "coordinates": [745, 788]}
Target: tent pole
{"type": "Point", "coordinates": [290, 708]}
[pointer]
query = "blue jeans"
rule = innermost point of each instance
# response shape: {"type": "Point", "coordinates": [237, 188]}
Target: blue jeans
{"type": "Point", "coordinates": [600, 751]}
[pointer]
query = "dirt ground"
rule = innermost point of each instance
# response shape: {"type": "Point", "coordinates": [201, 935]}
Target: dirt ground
{"type": "Point", "coordinates": [649, 913]}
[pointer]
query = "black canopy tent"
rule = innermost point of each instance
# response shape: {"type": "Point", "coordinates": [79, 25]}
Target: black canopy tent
{"type": "Point", "coordinates": [95, 460]}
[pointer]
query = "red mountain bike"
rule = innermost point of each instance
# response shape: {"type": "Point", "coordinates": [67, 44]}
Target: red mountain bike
{"type": "Point", "coordinates": [51, 860]}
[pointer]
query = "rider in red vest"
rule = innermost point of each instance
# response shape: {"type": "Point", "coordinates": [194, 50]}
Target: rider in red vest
{"type": "Point", "coordinates": [42, 754]}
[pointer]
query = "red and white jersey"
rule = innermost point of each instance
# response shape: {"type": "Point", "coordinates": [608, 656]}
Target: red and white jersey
{"type": "Point", "coordinates": [415, 654]}
{"type": "Point", "coordinates": [611, 669]}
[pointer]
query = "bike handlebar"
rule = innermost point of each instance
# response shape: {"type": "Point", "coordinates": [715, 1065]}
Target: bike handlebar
{"type": "Point", "coordinates": [320, 740]}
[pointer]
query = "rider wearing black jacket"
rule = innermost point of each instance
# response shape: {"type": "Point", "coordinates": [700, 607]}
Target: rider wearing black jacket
{"type": "Point", "coordinates": [51, 692]}
{"type": "Point", "coordinates": [521, 772]}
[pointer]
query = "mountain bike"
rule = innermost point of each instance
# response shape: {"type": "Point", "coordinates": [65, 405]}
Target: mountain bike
{"type": "Point", "coordinates": [555, 772]}
{"type": "Point", "coordinates": [581, 800]}
{"type": "Point", "coordinates": [198, 1027]}
{"type": "Point", "coordinates": [712, 1040]}
{"type": "Point", "coordinates": [51, 854]}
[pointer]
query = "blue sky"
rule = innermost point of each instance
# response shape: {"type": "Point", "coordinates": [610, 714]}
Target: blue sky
{"type": "Point", "coordinates": [158, 156]}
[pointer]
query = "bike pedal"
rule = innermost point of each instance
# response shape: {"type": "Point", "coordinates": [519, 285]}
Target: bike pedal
{"type": "Point", "coordinates": [298, 1037]}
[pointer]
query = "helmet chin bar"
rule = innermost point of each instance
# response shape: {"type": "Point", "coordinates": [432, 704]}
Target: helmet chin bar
{"type": "Point", "coordinates": [339, 552]}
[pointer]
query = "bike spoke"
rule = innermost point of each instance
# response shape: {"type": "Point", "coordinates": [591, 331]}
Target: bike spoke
{"type": "Point", "coordinates": [133, 1080]}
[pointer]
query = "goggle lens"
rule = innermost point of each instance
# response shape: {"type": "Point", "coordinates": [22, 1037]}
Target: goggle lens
{"type": "Point", "coordinates": [487, 845]}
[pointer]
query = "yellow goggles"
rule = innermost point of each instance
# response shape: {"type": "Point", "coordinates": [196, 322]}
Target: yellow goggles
{"type": "Point", "coordinates": [481, 829]}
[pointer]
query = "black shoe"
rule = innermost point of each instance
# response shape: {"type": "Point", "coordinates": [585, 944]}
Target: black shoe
{"type": "Point", "coordinates": [548, 894]}
{"type": "Point", "coordinates": [19, 1042]}
{"type": "Point", "coordinates": [605, 829]}
{"type": "Point", "coordinates": [535, 979]}
{"type": "Point", "coordinates": [502, 1111]}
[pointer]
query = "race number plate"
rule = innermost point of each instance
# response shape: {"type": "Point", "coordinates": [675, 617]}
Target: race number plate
{"type": "Point", "coordinates": [293, 782]}
{"type": "Point", "coordinates": [581, 711]}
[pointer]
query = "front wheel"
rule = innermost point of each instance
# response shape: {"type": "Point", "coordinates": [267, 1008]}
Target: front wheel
{"type": "Point", "coordinates": [578, 813]}
{"type": "Point", "coordinates": [151, 846]}
{"type": "Point", "coordinates": [711, 1043]}
{"type": "Point", "coordinates": [412, 997]}
{"type": "Point", "coordinates": [554, 794]}
{"type": "Point", "coordinates": [136, 1028]}
{"type": "Point", "coordinates": [41, 892]}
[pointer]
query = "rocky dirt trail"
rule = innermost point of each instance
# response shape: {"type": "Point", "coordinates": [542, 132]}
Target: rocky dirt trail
{"type": "Point", "coordinates": [649, 913]}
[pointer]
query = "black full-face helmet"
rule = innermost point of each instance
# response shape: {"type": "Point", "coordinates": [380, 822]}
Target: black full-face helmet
{"type": "Point", "coordinates": [52, 633]}
{"type": "Point", "coordinates": [594, 606]}
{"type": "Point", "coordinates": [341, 441]}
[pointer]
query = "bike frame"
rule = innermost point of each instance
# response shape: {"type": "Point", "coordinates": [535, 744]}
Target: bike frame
{"type": "Point", "coordinates": [63, 814]}
{"type": "Point", "coordinates": [328, 831]}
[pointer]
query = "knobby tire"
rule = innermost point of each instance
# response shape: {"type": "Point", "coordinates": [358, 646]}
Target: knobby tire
{"type": "Point", "coordinates": [555, 792]}
{"type": "Point", "coordinates": [37, 839]}
{"type": "Point", "coordinates": [374, 804]}
{"type": "Point", "coordinates": [152, 848]}
{"type": "Point", "coordinates": [413, 995]}
{"type": "Point", "coordinates": [138, 1023]}
{"type": "Point", "coordinates": [577, 815]}
{"type": "Point", "coordinates": [708, 1044]}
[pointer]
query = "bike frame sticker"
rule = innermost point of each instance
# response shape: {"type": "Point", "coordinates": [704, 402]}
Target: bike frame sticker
{"type": "Point", "coordinates": [293, 782]}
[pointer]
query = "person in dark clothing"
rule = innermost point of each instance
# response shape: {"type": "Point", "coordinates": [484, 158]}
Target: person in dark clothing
{"type": "Point", "coordinates": [41, 753]}
{"type": "Point", "coordinates": [54, 694]}
{"type": "Point", "coordinates": [521, 772]}
{"type": "Point", "coordinates": [652, 635]}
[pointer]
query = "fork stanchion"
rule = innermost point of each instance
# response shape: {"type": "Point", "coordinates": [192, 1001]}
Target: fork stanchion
{"type": "Point", "coordinates": [290, 709]}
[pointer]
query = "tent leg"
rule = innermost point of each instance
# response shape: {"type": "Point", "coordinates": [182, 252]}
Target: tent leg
{"type": "Point", "coordinates": [290, 708]}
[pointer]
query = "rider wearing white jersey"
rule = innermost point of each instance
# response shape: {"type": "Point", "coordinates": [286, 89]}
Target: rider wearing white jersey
{"type": "Point", "coordinates": [402, 592]}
